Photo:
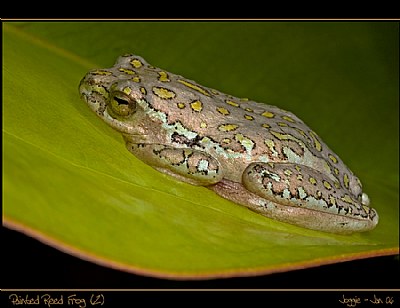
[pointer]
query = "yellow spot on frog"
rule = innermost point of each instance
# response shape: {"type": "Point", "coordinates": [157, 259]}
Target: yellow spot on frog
{"type": "Point", "coordinates": [163, 77]}
{"type": "Point", "coordinates": [127, 90]}
{"type": "Point", "coordinates": [299, 177]}
{"type": "Point", "coordinates": [278, 135]}
{"type": "Point", "coordinates": [143, 90]}
{"type": "Point", "coordinates": [247, 143]}
{"type": "Point", "coordinates": [194, 87]}
{"type": "Point", "coordinates": [347, 199]}
{"type": "Point", "coordinates": [288, 172]}
{"type": "Point", "coordinates": [346, 180]}
{"type": "Point", "coordinates": [248, 117]}
{"type": "Point", "coordinates": [289, 119]}
{"type": "Point", "coordinates": [271, 146]}
{"type": "Point", "coordinates": [336, 170]}
{"type": "Point", "coordinates": [332, 200]}
{"type": "Point", "coordinates": [181, 105]}
{"type": "Point", "coordinates": [136, 79]}
{"type": "Point", "coordinates": [127, 71]}
{"type": "Point", "coordinates": [205, 140]}
{"type": "Point", "coordinates": [327, 167]}
{"type": "Point", "coordinates": [203, 125]}
{"type": "Point", "coordinates": [99, 72]}
{"type": "Point", "coordinates": [312, 181]}
{"type": "Point", "coordinates": [248, 109]}
{"type": "Point", "coordinates": [286, 137]}
{"type": "Point", "coordinates": [265, 125]}
{"type": "Point", "coordinates": [226, 140]}
{"type": "Point", "coordinates": [214, 91]}
{"type": "Point", "coordinates": [227, 127]}
{"type": "Point", "coordinates": [333, 158]}
{"type": "Point", "coordinates": [337, 184]}
{"type": "Point", "coordinates": [244, 99]}
{"type": "Point", "coordinates": [267, 114]}
{"type": "Point", "coordinates": [317, 144]}
{"type": "Point", "coordinates": [327, 185]}
{"type": "Point", "coordinates": [271, 164]}
{"type": "Point", "coordinates": [101, 91]}
{"type": "Point", "coordinates": [301, 132]}
{"type": "Point", "coordinates": [163, 93]}
{"type": "Point", "coordinates": [223, 111]}
{"type": "Point", "coordinates": [366, 209]}
{"type": "Point", "coordinates": [298, 168]}
{"type": "Point", "coordinates": [196, 105]}
{"type": "Point", "coordinates": [281, 124]}
{"type": "Point", "coordinates": [232, 103]}
{"type": "Point", "coordinates": [136, 63]}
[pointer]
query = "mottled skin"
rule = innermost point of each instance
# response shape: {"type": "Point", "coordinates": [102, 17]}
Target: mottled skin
{"type": "Point", "coordinates": [256, 155]}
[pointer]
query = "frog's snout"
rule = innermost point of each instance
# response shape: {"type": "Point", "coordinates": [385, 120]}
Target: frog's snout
{"type": "Point", "coordinates": [82, 89]}
{"type": "Point", "coordinates": [93, 92]}
{"type": "Point", "coordinates": [86, 86]}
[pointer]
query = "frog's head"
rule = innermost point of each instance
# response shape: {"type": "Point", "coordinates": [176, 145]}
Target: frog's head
{"type": "Point", "coordinates": [116, 98]}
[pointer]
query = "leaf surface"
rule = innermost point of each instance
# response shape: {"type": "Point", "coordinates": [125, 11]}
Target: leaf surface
{"type": "Point", "coordinates": [69, 181]}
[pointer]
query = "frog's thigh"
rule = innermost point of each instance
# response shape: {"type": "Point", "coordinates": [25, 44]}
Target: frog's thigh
{"type": "Point", "coordinates": [285, 183]}
{"type": "Point", "coordinates": [187, 165]}
{"type": "Point", "coordinates": [281, 191]}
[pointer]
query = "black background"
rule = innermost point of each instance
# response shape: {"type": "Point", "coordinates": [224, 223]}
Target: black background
{"type": "Point", "coordinates": [29, 264]}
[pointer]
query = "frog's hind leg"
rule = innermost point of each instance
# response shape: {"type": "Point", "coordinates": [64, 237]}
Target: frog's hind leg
{"type": "Point", "coordinates": [299, 216]}
{"type": "Point", "coordinates": [239, 194]}
{"type": "Point", "coordinates": [295, 185]}
{"type": "Point", "coordinates": [306, 197]}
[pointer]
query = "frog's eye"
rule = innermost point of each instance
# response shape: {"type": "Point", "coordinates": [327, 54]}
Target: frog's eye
{"type": "Point", "coordinates": [122, 105]}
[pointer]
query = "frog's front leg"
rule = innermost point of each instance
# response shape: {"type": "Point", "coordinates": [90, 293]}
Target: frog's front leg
{"type": "Point", "coordinates": [188, 165]}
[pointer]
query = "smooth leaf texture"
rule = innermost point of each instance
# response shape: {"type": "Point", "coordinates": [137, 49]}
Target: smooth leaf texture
{"type": "Point", "coordinates": [69, 181]}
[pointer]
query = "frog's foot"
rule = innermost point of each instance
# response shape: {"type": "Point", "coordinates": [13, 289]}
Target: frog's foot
{"type": "Point", "coordinates": [304, 196]}
{"type": "Point", "coordinates": [187, 165]}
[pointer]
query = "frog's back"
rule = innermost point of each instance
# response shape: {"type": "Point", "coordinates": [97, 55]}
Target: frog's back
{"type": "Point", "coordinates": [234, 128]}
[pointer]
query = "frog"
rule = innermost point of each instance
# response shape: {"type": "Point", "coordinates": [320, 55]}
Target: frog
{"type": "Point", "coordinates": [256, 155]}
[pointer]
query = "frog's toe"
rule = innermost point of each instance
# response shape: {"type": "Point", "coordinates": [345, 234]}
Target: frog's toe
{"type": "Point", "coordinates": [364, 199]}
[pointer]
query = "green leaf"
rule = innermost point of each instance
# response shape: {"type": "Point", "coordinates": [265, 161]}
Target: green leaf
{"type": "Point", "coordinates": [69, 181]}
